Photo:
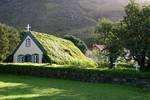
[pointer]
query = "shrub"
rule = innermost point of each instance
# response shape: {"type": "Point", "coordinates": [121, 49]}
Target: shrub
{"type": "Point", "coordinates": [77, 42]}
{"type": "Point", "coordinates": [82, 74]}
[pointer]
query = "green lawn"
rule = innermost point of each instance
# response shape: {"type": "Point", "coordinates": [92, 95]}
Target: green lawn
{"type": "Point", "coordinates": [34, 88]}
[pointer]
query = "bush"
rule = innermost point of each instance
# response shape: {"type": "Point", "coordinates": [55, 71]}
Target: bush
{"type": "Point", "coordinates": [103, 65]}
{"type": "Point", "coordinates": [82, 74]}
{"type": "Point", "coordinates": [77, 42]}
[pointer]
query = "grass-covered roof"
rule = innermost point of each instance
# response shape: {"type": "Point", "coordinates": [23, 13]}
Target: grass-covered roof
{"type": "Point", "coordinates": [61, 51]}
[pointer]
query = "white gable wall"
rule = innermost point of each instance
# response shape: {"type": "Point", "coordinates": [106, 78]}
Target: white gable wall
{"type": "Point", "coordinates": [23, 50]}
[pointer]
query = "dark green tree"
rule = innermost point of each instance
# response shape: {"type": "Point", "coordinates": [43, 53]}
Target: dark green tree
{"type": "Point", "coordinates": [135, 32]}
{"type": "Point", "coordinates": [4, 45]}
{"type": "Point", "coordinates": [93, 39]}
{"type": "Point", "coordinates": [77, 42]}
{"type": "Point", "coordinates": [108, 31]}
{"type": "Point", "coordinates": [9, 38]}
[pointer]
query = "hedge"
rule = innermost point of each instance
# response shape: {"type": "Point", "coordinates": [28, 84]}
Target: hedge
{"type": "Point", "coordinates": [75, 73]}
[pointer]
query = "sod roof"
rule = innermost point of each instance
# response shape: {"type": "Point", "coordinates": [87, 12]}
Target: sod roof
{"type": "Point", "coordinates": [60, 51]}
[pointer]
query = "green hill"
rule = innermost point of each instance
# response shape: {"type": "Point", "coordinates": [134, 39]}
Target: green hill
{"type": "Point", "coordinates": [59, 16]}
{"type": "Point", "coordinates": [77, 17]}
{"type": "Point", "coordinates": [61, 51]}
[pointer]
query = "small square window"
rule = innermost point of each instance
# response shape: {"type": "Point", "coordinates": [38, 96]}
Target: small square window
{"type": "Point", "coordinates": [28, 44]}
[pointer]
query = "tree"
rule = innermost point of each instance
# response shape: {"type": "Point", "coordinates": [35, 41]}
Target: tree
{"type": "Point", "coordinates": [104, 27]}
{"type": "Point", "coordinates": [94, 38]}
{"type": "Point", "coordinates": [108, 31]}
{"type": "Point", "coordinates": [9, 38]}
{"type": "Point", "coordinates": [135, 32]}
{"type": "Point", "coordinates": [77, 42]}
{"type": "Point", "coordinates": [132, 33]}
{"type": "Point", "coordinates": [4, 45]}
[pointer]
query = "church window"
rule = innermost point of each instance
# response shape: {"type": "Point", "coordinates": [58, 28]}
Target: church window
{"type": "Point", "coordinates": [28, 42]}
{"type": "Point", "coordinates": [20, 59]}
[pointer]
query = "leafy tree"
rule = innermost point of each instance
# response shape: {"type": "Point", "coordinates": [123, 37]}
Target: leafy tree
{"type": "Point", "coordinates": [132, 33]}
{"type": "Point", "coordinates": [79, 43]}
{"type": "Point", "coordinates": [4, 45]}
{"type": "Point", "coordinates": [108, 31]}
{"type": "Point", "coordinates": [135, 32]}
{"type": "Point", "coordinates": [9, 38]}
{"type": "Point", "coordinates": [94, 38]}
{"type": "Point", "coordinates": [104, 27]}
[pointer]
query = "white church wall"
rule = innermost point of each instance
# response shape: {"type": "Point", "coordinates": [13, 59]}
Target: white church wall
{"type": "Point", "coordinates": [32, 49]}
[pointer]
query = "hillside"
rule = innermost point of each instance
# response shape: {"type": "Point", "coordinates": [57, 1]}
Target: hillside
{"type": "Point", "coordinates": [59, 16]}
{"type": "Point", "coordinates": [56, 16]}
{"type": "Point", "coordinates": [61, 51]}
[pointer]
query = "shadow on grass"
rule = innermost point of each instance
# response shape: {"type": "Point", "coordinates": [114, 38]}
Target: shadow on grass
{"type": "Point", "coordinates": [33, 88]}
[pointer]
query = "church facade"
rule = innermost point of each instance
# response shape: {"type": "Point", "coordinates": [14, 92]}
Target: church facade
{"type": "Point", "coordinates": [28, 51]}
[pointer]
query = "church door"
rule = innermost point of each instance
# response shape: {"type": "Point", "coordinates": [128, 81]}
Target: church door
{"type": "Point", "coordinates": [28, 58]}
{"type": "Point", "coordinates": [35, 58]}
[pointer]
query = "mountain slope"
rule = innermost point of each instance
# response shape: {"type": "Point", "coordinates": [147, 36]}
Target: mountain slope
{"type": "Point", "coordinates": [53, 15]}
{"type": "Point", "coordinates": [59, 16]}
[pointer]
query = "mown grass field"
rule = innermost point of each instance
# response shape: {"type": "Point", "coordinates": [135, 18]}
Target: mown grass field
{"type": "Point", "coordinates": [16, 87]}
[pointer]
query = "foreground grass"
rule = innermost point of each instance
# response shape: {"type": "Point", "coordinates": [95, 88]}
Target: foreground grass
{"type": "Point", "coordinates": [33, 88]}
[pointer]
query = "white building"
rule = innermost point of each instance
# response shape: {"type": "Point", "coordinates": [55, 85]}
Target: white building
{"type": "Point", "coordinates": [29, 50]}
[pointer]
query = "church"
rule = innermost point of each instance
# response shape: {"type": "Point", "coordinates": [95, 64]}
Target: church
{"type": "Point", "coordinates": [37, 47]}
{"type": "Point", "coordinates": [28, 50]}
